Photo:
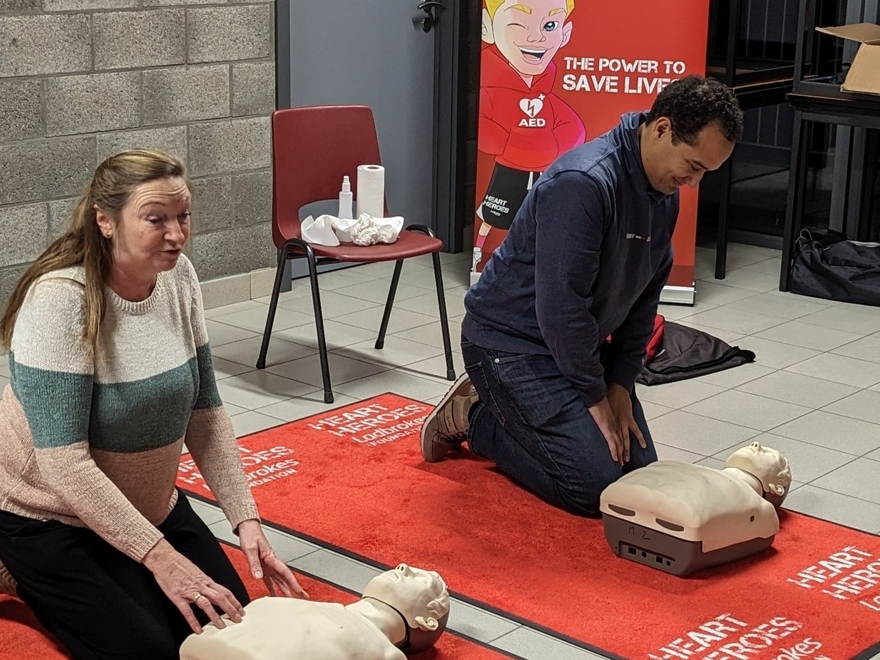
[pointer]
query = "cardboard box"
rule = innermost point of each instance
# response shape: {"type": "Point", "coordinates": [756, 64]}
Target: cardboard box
{"type": "Point", "coordinates": [863, 76]}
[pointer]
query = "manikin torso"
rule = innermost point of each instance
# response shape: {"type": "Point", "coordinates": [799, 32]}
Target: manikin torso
{"type": "Point", "coordinates": [715, 507]}
{"type": "Point", "coordinates": [287, 628]}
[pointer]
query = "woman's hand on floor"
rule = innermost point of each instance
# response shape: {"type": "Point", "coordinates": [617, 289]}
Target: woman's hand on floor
{"type": "Point", "coordinates": [264, 564]}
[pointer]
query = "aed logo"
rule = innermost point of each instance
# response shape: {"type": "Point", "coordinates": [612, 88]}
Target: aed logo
{"type": "Point", "coordinates": [531, 107]}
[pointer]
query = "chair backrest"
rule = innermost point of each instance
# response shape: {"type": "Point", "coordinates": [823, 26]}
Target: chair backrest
{"type": "Point", "coordinates": [312, 149]}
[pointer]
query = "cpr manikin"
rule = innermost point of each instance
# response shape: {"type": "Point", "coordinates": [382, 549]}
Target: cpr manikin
{"type": "Point", "coordinates": [679, 517]}
{"type": "Point", "coordinates": [402, 610]}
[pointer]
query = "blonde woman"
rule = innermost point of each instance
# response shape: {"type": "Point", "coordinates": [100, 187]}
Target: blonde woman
{"type": "Point", "coordinates": [110, 372]}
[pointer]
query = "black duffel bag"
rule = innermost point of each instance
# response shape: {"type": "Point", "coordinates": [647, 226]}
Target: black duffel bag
{"type": "Point", "coordinates": [827, 265]}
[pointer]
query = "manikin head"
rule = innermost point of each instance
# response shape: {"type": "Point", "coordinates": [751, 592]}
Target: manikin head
{"type": "Point", "coordinates": [691, 129]}
{"type": "Point", "coordinates": [420, 597]}
{"type": "Point", "coordinates": [528, 32]}
{"type": "Point", "coordinates": [768, 466]}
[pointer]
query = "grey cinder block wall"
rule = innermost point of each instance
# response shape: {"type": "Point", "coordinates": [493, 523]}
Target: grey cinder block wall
{"type": "Point", "coordinates": [83, 79]}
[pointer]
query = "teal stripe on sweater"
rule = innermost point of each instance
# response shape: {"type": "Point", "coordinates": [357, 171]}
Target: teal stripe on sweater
{"type": "Point", "coordinates": [144, 414]}
{"type": "Point", "coordinates": [208, 397]}
{"type": "Point", "coordinates": [136, 416]}
{"type": "Point", "coordinates": [56, 404]}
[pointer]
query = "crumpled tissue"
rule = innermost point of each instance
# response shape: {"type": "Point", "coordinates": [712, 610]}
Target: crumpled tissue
{"type": "Point", "coordinates": [369, 230]}
{"type": "Point", "coordinates": [366, 230]}
{"type": "Point", "coordinates": [327, 230]}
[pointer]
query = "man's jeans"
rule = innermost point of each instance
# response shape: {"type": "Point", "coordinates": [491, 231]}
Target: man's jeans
{"type": "Point", "coordinates": [536, 428]}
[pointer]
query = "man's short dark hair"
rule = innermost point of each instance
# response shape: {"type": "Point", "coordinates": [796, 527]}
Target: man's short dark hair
{"type": "Point", "coordinates": [693, 103]}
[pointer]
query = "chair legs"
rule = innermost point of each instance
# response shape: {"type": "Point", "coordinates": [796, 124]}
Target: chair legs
{"type": "Point", "coordinates": [319, 317]}
{"type": "Point", "coordinates": [319, 322]}
{"type": "Point", "coordinates": [441, 302]}
{"type": "Point", "coordinates": [444, 321]}
{"type": "Point", "coordinates": [316, 302]}
{"type": "Point", "coordinates": [386, 316]}
{"type": "Point", "coordinates": [273, 306]}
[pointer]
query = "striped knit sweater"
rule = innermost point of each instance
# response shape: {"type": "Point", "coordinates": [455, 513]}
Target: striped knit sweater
{"type": "Point", "coordinates": [94, 439]}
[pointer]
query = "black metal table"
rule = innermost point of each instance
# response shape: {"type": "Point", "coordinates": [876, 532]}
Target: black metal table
{"type": "Point", "coordinates": [844, 110]}
{"type": "Point", "coordinates": [753, 95]}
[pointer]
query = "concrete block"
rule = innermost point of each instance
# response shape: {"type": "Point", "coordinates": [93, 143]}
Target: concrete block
{"type": "Point", "coordinates": [87, 5]}
{"type": "Point", "coordinates": [229, 146]}
{"type": "Point", "coordinates": [186, 93]}
{"type": "Point", "coordinates": [253, 88]}
{"type": "Point", "coordinates": [226, 290]}
{"type": "Point", "coordinates": [252, 198]}
{"type": "Point", "coordinates": [9, 6]}
{"type": "Point", "coordinates": [240, 250]}
{"type": "Point", "coordinates": [45, 169]}
{"type": "Point", "coordinates": [60, 216]}
{"type": "Point", "coordinates": [171, 140]}
{"type": "Point", "coordinates": [38, 45]}
{"type": "Point", "coordinates": [92, 103]}
{"type": "Point", "coordinates": [24, 233]}
{"type": "Point", "coordinates": [9, 277]}
{"type": "Point", "coordinates": [212, 204]}
{"type": "Point", "coordinates": [127, 40]}
{"type": "Point", "coordinates": [20, 109]}
{"type": "Point", "coordinates": [220, 34]}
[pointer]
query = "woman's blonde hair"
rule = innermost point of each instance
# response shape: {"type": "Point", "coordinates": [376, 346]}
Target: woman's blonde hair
{"type": "Point", "coordinates": [83, 244]}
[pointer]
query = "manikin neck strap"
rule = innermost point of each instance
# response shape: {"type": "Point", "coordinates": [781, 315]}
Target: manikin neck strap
{"type": "Point", "coordinates": [405, 643]}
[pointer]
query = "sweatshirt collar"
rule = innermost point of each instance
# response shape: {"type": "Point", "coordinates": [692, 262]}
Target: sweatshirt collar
{"type": "Point", "coordinates": [632, 152]}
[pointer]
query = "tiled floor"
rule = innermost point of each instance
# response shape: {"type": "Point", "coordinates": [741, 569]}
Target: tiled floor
{"type": "Point", "coordinates": [813, 392]}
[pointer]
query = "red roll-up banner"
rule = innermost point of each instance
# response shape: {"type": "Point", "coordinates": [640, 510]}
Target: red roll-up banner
{"type": "Point", "coordinates": [556, 73]}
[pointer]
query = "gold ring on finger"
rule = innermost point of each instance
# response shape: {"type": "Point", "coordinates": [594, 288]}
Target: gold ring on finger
{"type": "Point", "coordinates": [196, 597]}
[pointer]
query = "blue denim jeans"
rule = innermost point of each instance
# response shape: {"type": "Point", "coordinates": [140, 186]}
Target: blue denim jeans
{"type": "Point", "coordinates": [534, 425]}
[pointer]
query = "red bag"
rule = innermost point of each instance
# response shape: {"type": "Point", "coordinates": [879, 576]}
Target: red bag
{"type": "Point", "coordinates": [656, 337]}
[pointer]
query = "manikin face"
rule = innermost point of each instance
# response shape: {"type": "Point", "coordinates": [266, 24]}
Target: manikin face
{"type": "Point", "coordinates": [670, 166]}
{"type": "Point", "coordinates": [152, 227]}
{"type": "Point", "coordinates": [529, 32]}
{"type": "Point", "coordinates": [419, 595]}
{"type": "Point", "coordinates": [767, 465]}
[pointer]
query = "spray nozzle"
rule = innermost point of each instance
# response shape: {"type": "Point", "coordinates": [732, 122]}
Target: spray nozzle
{"type": "Point", "coordinates": [346, 184]}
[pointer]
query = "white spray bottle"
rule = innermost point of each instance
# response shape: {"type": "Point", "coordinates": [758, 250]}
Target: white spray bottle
{"type": "Point", "coordinates": [345, 200]}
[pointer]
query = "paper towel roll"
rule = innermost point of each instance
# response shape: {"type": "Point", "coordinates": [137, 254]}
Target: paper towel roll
{"type": "Point", "coordinates": [371, 190]}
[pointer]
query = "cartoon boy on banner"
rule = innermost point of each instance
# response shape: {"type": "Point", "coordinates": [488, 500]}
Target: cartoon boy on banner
{"type": "Point", "coordinates": [522, 123]}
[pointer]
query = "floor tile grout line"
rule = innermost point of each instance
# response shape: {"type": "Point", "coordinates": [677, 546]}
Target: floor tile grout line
{"type": "Point", "coordinates": [835, 492]}
{"type": "Point", "coordinates": [795, 373]}
{"type": "Point", "coordinates": [787, 368]}
{"type": "Point", "coordinates": [811, 410]}
{"type": "Point", "coordinates": [682, 408]}
{"type": "Point", "coordinates": [516, 625]}
{"type": "Point", "coordinates": [808, 442]}
{"type": "Point", "coordinates": [307, 357]}
{"type": "Point", "coordinates": [753, 334]}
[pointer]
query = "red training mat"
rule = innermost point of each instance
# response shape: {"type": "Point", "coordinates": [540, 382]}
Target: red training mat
{"type": "Point", "coordinates": [354, 478]}
{"type": "Point", "coordinates": [23, 638]}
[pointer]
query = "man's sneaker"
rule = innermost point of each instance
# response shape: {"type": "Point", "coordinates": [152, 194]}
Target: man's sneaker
{"type": "Point", "coordinates": [447, 425]}
{"type": "Point", "coordinates": [7, 584]}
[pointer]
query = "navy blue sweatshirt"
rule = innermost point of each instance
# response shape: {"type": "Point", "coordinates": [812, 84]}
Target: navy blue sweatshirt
{"type": "Point", "coordinates": [586, 257]}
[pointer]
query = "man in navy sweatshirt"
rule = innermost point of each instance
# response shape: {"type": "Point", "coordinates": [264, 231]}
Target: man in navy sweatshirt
{"type": "Point", "coordinates": [546, 395]}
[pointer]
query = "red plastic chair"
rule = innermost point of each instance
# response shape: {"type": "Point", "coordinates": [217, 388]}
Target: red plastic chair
{"type": "Point", "coordinates": [312, 149]}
